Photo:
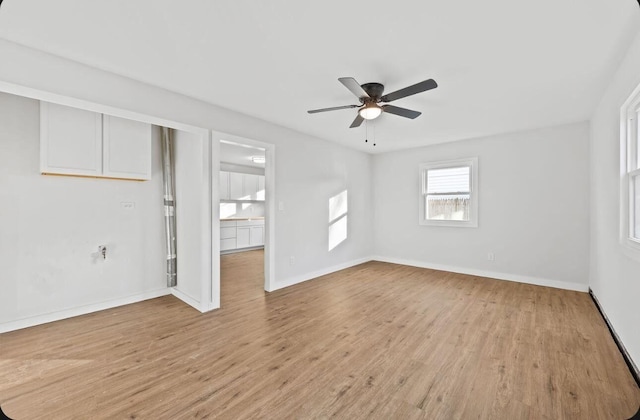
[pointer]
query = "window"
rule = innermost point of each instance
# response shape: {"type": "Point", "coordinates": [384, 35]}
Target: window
{"type": "Point", "coordinates": [449, 193]}
{"type": "Point", "coordinates": [630, 162]}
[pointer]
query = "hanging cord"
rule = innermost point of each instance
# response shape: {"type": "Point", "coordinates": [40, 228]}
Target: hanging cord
{"type": "Point", "coordinates": [366, 131]}
{"type": "Point", "coordinates": [374, 134]}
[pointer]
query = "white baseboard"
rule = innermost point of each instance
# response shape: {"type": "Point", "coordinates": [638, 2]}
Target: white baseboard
{"type": "Point", "coordinates": [233, 251]}
{"type": "Point", "coordinates": [314, 274]}
{"type": "Point", "coordinates": [490, 274]}
{"type": "Point", "coordinates": [80, 310]}
{"type": "Point", "coordinates": [187, 299]}
{"type": "Point", "coordinates": [633, 367]}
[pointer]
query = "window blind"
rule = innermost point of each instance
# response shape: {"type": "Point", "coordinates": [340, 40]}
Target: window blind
{"type": "Point", "coordinates": [449, 180]}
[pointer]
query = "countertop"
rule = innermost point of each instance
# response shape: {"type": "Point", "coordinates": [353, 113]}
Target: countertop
{"type": "Point", "coordinates": [235, 219]}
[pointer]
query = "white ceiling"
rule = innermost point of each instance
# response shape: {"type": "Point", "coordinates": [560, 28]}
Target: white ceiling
{"type": "Point", "coordinates": [240, 154]}
{"type": "Point", "coordinates": [502, 65]}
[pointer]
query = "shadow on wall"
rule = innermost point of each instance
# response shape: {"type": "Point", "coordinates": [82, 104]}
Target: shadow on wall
{"type": "Point", "coordinates": [338, 208]}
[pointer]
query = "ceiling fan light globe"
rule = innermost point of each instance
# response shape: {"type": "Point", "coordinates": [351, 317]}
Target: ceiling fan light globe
{"type": "Point", "coordinates": [370, 112]}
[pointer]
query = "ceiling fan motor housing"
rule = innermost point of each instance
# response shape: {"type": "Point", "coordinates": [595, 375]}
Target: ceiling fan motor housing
{"type": "Point", "coordinates": [374, 90]}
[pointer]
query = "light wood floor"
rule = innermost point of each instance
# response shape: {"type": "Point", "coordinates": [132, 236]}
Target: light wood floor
{"type": "Point", "coordinates": [377, 341]}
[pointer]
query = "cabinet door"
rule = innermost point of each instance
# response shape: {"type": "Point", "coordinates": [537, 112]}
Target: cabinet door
{"type": "Point", "coordinates": [227, 244]}
{"type": "Point", "coordinates": [126, 148]}
{"type": "Point", "coordinates": [250, 187]}
{"type": "Point", "coordinates": [235, 186]}
{"type": "Point", "coordinates": [243, 237]}
{"type": "Point", "coordinates": [227, 232]}
{"type": "Point", "coordinates": [261, 188]}
{"type": "Point", "coordinates": [224, 185]}
{"type": "Point", "coordinates": [257, 236]}
{"type": "Point", "coordinates": [70, 140]}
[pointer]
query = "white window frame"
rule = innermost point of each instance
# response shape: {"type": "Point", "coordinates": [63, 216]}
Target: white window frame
{"type": "Point", "coordinates": [629, 169]}
{"type": "Point", "coordinates": [473, 200]}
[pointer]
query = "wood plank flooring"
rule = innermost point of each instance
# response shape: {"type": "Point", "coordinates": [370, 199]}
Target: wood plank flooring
{"type": "Point", "coordinates": [376, 341]}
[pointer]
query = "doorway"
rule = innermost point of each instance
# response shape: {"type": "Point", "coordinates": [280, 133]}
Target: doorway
{"type": "Point", "coordinates": [242, 217]}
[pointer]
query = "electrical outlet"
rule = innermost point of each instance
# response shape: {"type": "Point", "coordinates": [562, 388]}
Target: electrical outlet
{"type": "Point", "coordinates": [491, 256]}
{"type": "Point", "coordinates": [292, 260]}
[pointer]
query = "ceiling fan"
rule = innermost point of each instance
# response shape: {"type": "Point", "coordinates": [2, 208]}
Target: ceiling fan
{"type": "Point", "coordinates": [370, 95]}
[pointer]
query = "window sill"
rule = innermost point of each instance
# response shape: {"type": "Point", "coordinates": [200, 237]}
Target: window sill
{"type": "Point", "coordinates": [450, 223]}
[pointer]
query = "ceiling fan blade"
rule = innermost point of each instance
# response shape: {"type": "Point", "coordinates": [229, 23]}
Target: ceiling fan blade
{"type": "Point", "coordinates": [411, 90]}
{"type": "Point", "coordinates": [356, 122]}
{"type": "Point", "coordinates": [403, 112]}
{"type": "Point", "coordinates": [353, 85]}
{"type": "Point", "coordinates": [335, 108]}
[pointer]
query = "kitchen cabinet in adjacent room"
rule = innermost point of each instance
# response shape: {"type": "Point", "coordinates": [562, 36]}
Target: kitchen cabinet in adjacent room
{"type": "Point", "coordinates": [241, 233]}
{"type": "Point", "coordinates": [241, 186]}
{"type": "Point", "coordinates": [256, 236]}
{"type": "Point", "coordinates": [243, 236]}
{"type": "Point", "coordinates": [236, 186]}
{"type": "Point", "coordinates": [228, 235]}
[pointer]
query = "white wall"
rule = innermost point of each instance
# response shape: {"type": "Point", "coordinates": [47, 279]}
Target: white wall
{"type": "Point", "coordinates": [308, 170]}
{"type": "Point", "coordinates": [51, 225]}
{"type": "Point", "coordinates": [533, 208]}
{"type": "Point", "coordinates": [615, 273]}
{"type": "Point", "coordinates": [308, 175]}
{"type": "Point", "coordinates": [189, 158]}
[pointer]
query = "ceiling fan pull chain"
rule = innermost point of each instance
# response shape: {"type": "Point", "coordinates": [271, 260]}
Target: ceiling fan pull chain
{"type": "Point", "coordinates": [374, 134]}
{"type": "Point", "coordinates": [366, 131]}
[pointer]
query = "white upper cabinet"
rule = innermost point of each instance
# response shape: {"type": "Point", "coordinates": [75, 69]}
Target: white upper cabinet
{"type": "Point", "coordinates": [126, 148]}
{"type": "Point", "coordinates": [239, 186]}
{"type": "Point", "coordinates": [70, 141]}
{"type": "Point", "coordinates": [79, 142]}
{"type": "Point", "coordinates": [250, 190]}
{"type": "Point", "coordinates": [236, 186]}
